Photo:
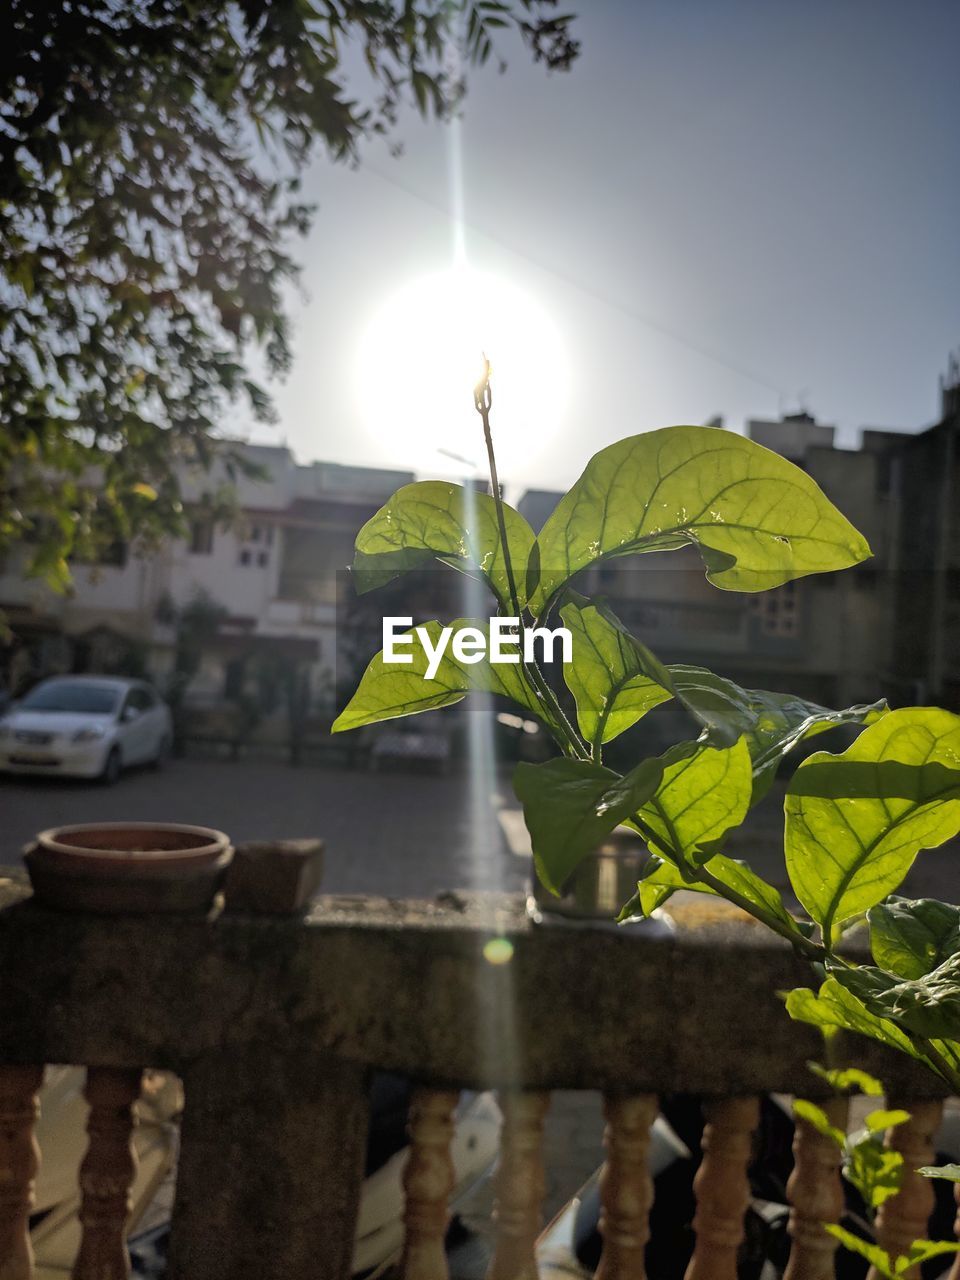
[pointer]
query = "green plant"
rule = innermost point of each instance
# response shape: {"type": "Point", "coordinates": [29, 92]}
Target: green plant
{"type": "Point", "coordinates": [854, 821]}
{"type": "Point", "coordinates": [874, 1169]}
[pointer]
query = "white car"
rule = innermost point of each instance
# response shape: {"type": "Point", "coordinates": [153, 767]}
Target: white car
{"type": "Point", "coordinates": [85, 727]}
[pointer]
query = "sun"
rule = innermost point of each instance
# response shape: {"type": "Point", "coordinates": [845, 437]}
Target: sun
{"type": "Point", "coordinates": [422, 354]}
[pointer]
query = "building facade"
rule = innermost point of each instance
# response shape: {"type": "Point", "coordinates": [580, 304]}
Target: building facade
{"type": "Point", "coordinates": [268, 596]}
{"type": "Point", "coordinates": [262, 591]}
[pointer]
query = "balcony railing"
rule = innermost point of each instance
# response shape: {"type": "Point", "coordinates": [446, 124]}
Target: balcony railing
{"type": "Point", "coordinates": [274, 1025]}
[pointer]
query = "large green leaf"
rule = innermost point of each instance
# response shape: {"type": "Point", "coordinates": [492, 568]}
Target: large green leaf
{"type": "Point", "coordinates": [704, 794]}
{"type": "Point", "coordinates": [949, 1172]}
{"type": "Point", "coordinates": [783, 720]}
{"type": "Point", "coordinates": [834, 1008]}
{"type": "Point", "coordinates": [929, 1006]}
{"type": "Point", "coordinates": [388, 690]}
{"type": "Point", "coordinates": [909, 937]}
{"type": "Point", "coordinates": [435, 519]}
{"type": "Point", "coordinates": [571, 806]}
{"type": "Point", "coordinates": [758, 520]}
{"type": "Point", "coordinates": [856, 821]}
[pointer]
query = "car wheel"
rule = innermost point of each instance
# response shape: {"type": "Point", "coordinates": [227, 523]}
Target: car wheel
{"type": "Point", "coordinates": [111, 767]}
{"type": "Point", "coordinates": [163, 752]}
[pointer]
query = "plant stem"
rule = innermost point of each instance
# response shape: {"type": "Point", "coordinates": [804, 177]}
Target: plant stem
{"type": "Point", "coordinates": [809, 949]}
{"type": "Point", "coordinates": [566, 736]}
{"type": "Point", "coordinates": [483, 400]}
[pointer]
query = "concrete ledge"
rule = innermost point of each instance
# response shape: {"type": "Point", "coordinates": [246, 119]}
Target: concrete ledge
{"type": "Point", "coordinates": [411, 986]}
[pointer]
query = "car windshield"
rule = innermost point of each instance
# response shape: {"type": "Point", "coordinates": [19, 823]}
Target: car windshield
{"type": "Point", "coordinates": [64, 695]}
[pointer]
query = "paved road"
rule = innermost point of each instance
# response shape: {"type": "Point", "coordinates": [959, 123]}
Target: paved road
{"type": "Point", "coordinates": [397, 834]}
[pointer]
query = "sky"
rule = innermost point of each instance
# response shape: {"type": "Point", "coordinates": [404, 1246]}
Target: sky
{"type": "Point", "coordinates": [736, 207]}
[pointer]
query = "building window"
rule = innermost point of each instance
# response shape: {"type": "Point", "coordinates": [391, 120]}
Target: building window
{"type": "Point", "coordinates": [263, 559]}
{"type": "Point", "coordinates": [778, 611]}
{"type": "Point", "coordinates": [246, 556]}
{"type": "Point", "coordinates": [201, 537]}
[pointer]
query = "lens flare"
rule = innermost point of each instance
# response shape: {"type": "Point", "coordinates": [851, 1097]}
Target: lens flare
{"type": "Point", "coordinates": [498, 951]}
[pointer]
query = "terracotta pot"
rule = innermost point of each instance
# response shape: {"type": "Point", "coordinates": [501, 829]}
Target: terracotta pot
{"type": "Point", "coordinates": [118, 867]}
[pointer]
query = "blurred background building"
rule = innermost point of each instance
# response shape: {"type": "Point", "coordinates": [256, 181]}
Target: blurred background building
{"type": "Point", "coordinates": [260, 615]}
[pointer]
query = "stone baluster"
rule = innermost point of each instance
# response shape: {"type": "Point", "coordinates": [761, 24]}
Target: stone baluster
{"type": "Point", "coordinates": [427, 1182]}
{"type": "Point", "coordinates": [520, 1185]}
{"type": "Point", "coordinates": [904, 1217]}
{"type": "Point", "coordinates": [626, 1188]}
{"type": "Point", "coordinates": [107, 1173]}
{"type": "Point", "coordinates": [722, 1188]}
{"type": "Point", "coordinates": [815, 1192]}
{"type": "Point", "coordinates": [19, 1162]}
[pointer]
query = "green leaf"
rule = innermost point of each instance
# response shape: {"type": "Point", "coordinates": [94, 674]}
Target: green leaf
{"type": "Point", "coordinates": [571, 806]}
{"type": "Point", "coordinates": [880, 1121]}
{"type": "Point", "coordinates": [803, 1109]}
{"type": "Point", "coordinates": [783, 720]}
{"type": "Point", "coordinates": [909, 937]}
{"type": "Point", "coordinates": [438, 520]}
{"type": "Point", "coordinates": [722, 707]}
{"type": "Point", "coordinates": [740, 877]}
{"type": "Point", "coordinates": [875, 1171]}
{"type": "Point", "coordinates": [758, 520]}
{"type": "Point", "coordinates": [614, 679]}
{"type": "Point", "coordinates": [833, 1007]}
{"type": "Point", "coordinates": [663, 879]}
{"type": "Point", "coordinates": [388, 690]}
{"type": "Point", "coordinates": [660, 881]}
{"type": "Point", "coordinates": [928, 1006]}
{"type": "Point", "coordinates": [846, 1079]}
{"type": "Point", "coordinates": [704, 794]}
{"type": "Point", "coordinates": [922, 1251]}
{"type": "Point", "coordinates": [873, 1253]}
{"type": "Point", "coordinates": [950, 1172]}
{"type": "Point", "coordinates": [855, 821]}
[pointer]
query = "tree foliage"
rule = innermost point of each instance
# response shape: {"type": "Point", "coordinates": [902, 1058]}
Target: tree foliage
{"type": "Point", "coordinates": [150, 155]}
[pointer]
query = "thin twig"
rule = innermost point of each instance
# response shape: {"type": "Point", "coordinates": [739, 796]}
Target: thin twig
{"type": "Point", "coordinates": [566, 736]}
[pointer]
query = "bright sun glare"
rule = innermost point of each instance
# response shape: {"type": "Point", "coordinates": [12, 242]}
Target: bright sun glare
{"type": "Point", "coordinates": [422, 354]}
